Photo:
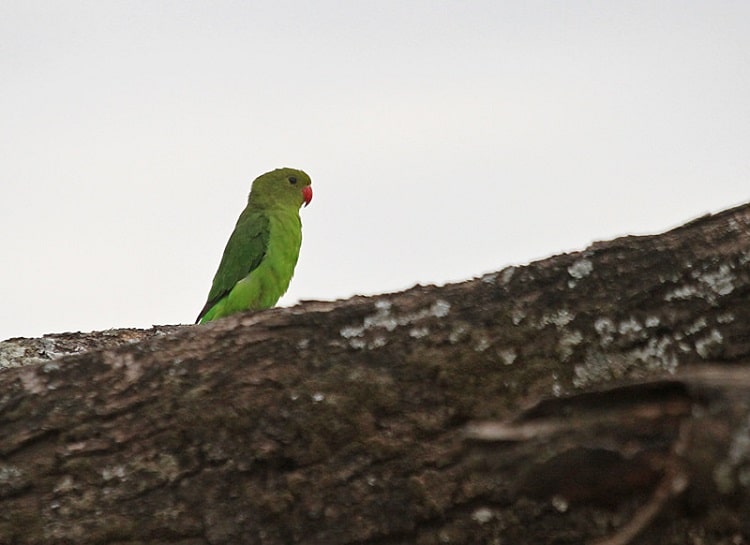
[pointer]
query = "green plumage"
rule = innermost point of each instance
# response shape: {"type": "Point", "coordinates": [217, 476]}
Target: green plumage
{"type": "Point", "coordinates": [262, 251]}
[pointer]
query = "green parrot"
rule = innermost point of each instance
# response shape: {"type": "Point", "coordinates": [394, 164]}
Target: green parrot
{"type": "Point", "coordinates": [259, 259]}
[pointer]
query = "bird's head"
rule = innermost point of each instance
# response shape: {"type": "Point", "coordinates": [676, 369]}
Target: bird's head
{"type": "Point", "coordinates": [282, 187]}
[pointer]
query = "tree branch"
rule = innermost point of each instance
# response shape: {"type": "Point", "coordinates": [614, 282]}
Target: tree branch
{"type": "Point", "coordinates": [596, 396]}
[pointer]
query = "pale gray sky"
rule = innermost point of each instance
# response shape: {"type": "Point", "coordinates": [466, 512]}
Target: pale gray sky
{"type": "Point", "coordinates": [444, 139]}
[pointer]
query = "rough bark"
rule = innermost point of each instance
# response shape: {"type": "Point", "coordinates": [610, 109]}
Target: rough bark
{"type": "Point", "coordinates": [599, 396]}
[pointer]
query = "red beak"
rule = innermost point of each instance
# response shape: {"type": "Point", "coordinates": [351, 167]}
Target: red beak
{"type": "Point", "coordinates": [307, 194]}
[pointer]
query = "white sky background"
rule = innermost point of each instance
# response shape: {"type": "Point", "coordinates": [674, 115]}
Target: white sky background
{"type": "Point", "coordinates": [444, 139]}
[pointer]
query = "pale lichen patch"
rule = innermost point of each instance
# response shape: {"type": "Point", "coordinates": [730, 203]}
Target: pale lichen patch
{"type": "Point", "coordinates": [48, 349]}
{"type": "Point", "coordinates": [557, 389]}
{"type": "Point", "coordinates": [483, 515]}
{"type": "Point", "coordinates": [507, 355]}
{"type": "Point", "coordinates": [606, 329]}
{"type": "Point", "coordinates": [382, 318]}
{"type": "Point", "coordinates": [506, 275]}
{"type": "Point", "coordinates": [377, 342]}
{"type": "Point", "coordinates": [458, 333]}
{"type": "Point", "coordinates": [725, 318]}
{"type": "Point", "coordinates": [596, 367]}
{"type": "Point", "coordinates": [709, 286]}
{"type": "Point", "coordinates": [568, 341]}
{"type": "Point", "coordinates": [560, 503]}
{"type": "Point", "coordinates": [440, 308]}
{"type": "Point", "coordinates": [559, 319]}
{"type": "Point", "coordinates": [710, 345]}
{"type": "Point", "coordinates": [11, 355]}
{"type": "Point", "coordinates": [385, 318]}
{"type": "Point", "coordinates": [629, 327]}
{"type": "Point", "coordinates": [358, 344]}
{"type": "Point", "coordinates": [721, 282]}
{"type": "Point", "coordinates": [113, 472]}
{"type": "Point", "coordinates": [12, 479]}
{"type": "Point", "coordinates": [578, 271]}
{"type": "Point", "coordinates": [696, 326]}
{"type": "Point", "coordinates": [64, 485]}
{"type": "Point", "coordinates": [657, 355]}
{"type": "Point", "coordinates": [352, 331]}
{"type": "Point", "coordinates": [489, 278]}
{"type": "Point", "coordinates": [652, 321]}
{"type": "Point", "coordinates": [32, 382]}
{"type": "Point", "coordinates": [383, 304]}
{"type": "Point", "coordinates": [682, 293]}
{"type": "Point", "coordinates": [517, 315]}
{"type": "Point", "coordinates": [482, 344]}
{"type": "Point", "coordinates": [581, 268]}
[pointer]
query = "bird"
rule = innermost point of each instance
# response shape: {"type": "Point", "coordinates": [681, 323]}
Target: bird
{"type": "Point", "coordinates": [262, 251]}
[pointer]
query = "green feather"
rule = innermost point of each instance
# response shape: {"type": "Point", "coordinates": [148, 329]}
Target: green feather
{"type": "Point", "coordinates": [260, 256]}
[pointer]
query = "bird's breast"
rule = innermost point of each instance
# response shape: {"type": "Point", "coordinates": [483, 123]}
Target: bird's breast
{"type": "Point", "coordinates": [284, 241]}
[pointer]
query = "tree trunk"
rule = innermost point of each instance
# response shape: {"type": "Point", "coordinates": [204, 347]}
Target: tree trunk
{"type": "Point", "coordinates": [599, 396]}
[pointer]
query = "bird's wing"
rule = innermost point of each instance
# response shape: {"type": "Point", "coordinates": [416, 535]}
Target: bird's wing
{"type": "Point", "coordinates": [245, 250]}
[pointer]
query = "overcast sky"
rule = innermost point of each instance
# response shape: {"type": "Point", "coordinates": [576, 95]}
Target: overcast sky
{"type": "Point", "coordinates": [444, 140]}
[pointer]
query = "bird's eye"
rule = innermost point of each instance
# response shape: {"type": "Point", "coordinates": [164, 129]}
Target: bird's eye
{"type": "Point", "coordinates": [292, 180]}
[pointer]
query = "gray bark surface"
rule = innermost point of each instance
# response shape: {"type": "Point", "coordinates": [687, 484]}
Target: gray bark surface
{"type": "Point", "coordinates": [593, 397]}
